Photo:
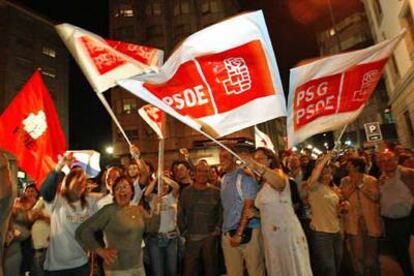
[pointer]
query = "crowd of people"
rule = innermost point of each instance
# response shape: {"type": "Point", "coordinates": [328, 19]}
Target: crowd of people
{"type": "Point", "coordinates": [267, 214]}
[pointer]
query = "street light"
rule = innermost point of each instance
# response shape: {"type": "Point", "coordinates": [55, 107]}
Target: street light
{"type": "Point", "coordinates": [109, 150]}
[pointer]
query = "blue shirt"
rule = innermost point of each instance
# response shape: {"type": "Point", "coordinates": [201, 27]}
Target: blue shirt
{"type": "Point", "coordinates": [232, 201]}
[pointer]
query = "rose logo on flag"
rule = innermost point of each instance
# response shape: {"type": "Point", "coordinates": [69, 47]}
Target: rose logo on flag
{"type": "Point", "coordinates": [238, 80]}
{"type": "Point", "coordinates": [35, 125]}
{"type": "Point", "coordinates": [370, 78]}
{"type": "Point", "coordinates": [154, 113]}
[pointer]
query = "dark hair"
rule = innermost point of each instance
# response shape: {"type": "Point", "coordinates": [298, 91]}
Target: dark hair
{"type": "Point", "coordinates": [119, 181]}
{"type": "Point", "coordinates": [176, 163]}
{"type": "Point", "coordinates": [274, 160]}
{"type": "Point", "coordinates": [358, 163]}
{"type": "Point", "coordinates": [75, 172]}
{"type": "Point", "coordinates": [33, 186]}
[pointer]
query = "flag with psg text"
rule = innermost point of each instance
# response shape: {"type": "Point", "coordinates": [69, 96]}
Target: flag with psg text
{"type": "Point", "coordinates": [331, 92]}
{"type": "Point", "coordinates": [30, 129]}
{"type": "Point", "coordinates": [105, 61]}
{"type": "Point", "coordinates": [224, 84]}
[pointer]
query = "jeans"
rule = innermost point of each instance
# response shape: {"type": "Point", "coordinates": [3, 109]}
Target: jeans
{"type": "Point", "coordinates": [163, 255]}
{"type": "Point", "coordinates": [398, 232]}
{"type": "Point", "coordinates": [327, 251]}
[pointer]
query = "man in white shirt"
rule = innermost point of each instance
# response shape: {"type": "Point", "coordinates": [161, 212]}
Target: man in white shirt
{"type": "Point", "coordinates": [396, 187]}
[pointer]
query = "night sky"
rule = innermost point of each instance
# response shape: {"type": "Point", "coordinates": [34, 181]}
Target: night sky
{"type": "Point", "coordinates": [292, 25]}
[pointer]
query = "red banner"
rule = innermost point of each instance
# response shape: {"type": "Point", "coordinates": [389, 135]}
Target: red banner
{"type": "Point", "coordinates": [233, 77]}
{"type": "Point", "coordinates": [344, 92]}
{"type": "Point", "coordinates": [30, 129]}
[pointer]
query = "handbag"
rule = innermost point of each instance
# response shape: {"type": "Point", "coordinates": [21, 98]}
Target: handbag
{"type": "Point", "coordinates": [245, 237]}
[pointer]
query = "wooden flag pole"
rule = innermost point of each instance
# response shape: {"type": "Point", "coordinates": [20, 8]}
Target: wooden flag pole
{"type": "Point", "coordinates": [111, 113]}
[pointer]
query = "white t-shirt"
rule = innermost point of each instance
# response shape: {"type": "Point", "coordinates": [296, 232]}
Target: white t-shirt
{"type": "Point", "coordinates": [168, 213]}
{"type": "Point", "coordinates": [64, 252]}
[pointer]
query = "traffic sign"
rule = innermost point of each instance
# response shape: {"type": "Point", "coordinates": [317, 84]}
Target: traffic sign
{"type": "Point", "coordinates": [373, 132]}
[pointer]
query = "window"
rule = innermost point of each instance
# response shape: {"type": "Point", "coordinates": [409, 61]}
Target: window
{"type": "Point", "coordinates": [129, 105]}
{"type": "Point", "coordinates": [132, 133]}
{"type": "Point", "coordinates": [388, 118]}
{"type": "Point", "coordinates": [407, 22]}
{"type": "Point", "coordinates": [409, 124]}
{"type": "Point", "coordinates": [153, 9]}
{"type": "Point", "coordinates": [377, 10]}
{"type": "Point", "coordinates": [210, 6]}
{"type": "Point", "coordinates": [181, 7]}
{"type": "Point", "coordinates": [49, 52]}
{"type": "Point", "coordinates": [124, 11]}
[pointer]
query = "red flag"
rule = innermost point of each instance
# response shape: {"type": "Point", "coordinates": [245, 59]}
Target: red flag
{"type": "Point", "coordinates": [331, 92]}
{"type": "Point", "coordinates": [223, 85]}
{"type": "Point", "coordinates": [30, 129]}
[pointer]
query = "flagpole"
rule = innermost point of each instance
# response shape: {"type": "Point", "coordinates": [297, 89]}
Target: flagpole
{"type": "Point", "coordinates": [338, 141]}
{"type": "Point", "coordinates": [220, 144]}
{"type": "Point", "coordinates": [160, 171]}
{"type": "Point", "coordinates": [111, 113]}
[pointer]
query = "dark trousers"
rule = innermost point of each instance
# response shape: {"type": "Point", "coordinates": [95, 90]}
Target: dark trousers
{"type": "Point", "coordinates": [398, 233]}
{"type": "Point", "coordinates": [327, 251]}
{"type": "Point", "coordinates": [78, 271]}
{"type": "Point", "coordinates": [207, 249]}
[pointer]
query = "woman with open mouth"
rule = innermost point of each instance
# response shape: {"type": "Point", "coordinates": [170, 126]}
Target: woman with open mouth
{"type": "Point", "coordinates": [123, 226]}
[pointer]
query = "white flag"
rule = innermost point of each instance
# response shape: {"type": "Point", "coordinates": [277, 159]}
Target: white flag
{"type": "Point", "coordinates": [88, 160]}
{"type": "Point", "coordinates": [327, 94]}
{"type": "Point", "coordinates": [221, 78]}
{"type": "Point", "coordinates": [154, 117]}
{"type": "Point", "coordinates": [263, 140]}
{"type": "Point", "coordinates": [105, 61]}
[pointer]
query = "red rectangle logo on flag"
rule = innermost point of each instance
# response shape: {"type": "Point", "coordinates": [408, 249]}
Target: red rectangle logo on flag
{"type": "Point", "coordinates": [316, 98]}
{"type": "Point", "coordinates": [102, 58]}
{"type": "Point", "coordinates": [185, 92]}
{"type": "Point", "coordinates": [140, 53]}
{"type": "Point", "coordinates": [359, 83]}
{"type": "Point", "coordinates": [237, 76]}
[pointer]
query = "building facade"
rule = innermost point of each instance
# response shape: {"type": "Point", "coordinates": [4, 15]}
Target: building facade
{"type": "Point", "coordinates": [387, 19]}
{"type": "Point", "coordinates": [29, 41]}
{"type": "Point", "coordinates": [163, 24]}
{"type": "Point", "coordinates": [352, 33]}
